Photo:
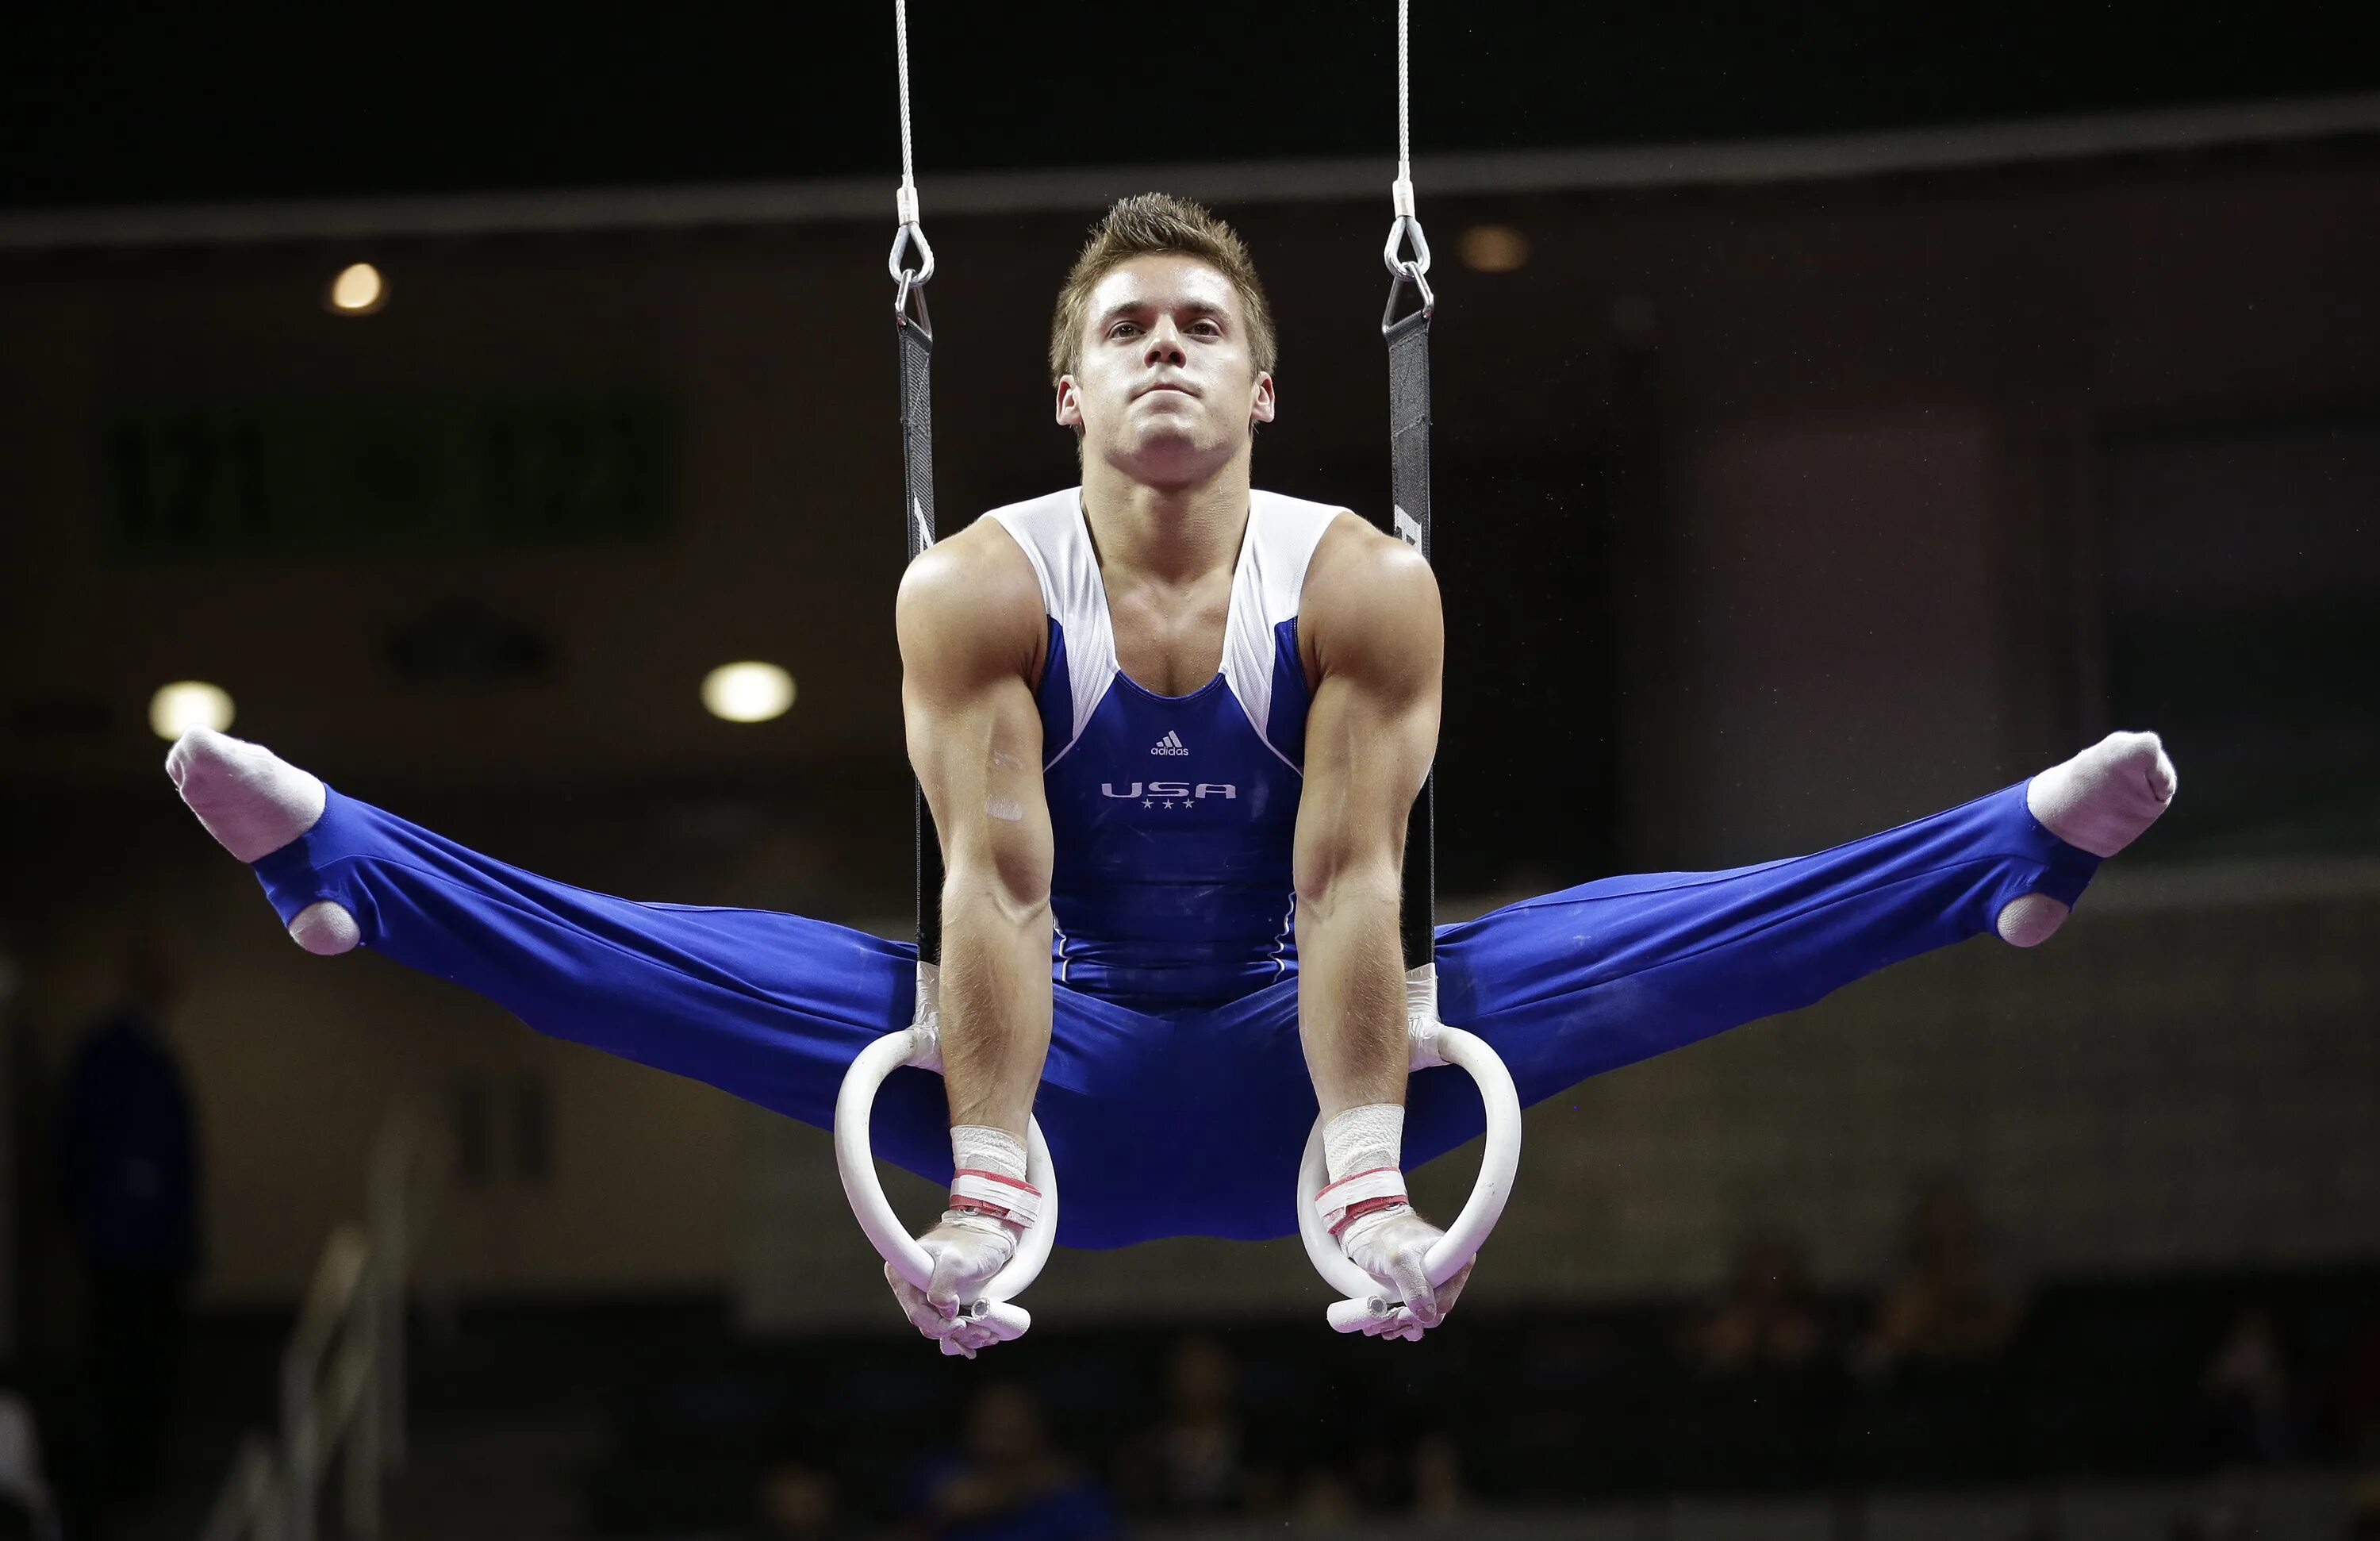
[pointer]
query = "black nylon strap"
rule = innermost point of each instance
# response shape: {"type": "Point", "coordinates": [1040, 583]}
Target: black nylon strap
{"type": "Point", "coordinates": [914, 340]}
{"type": "Point", "coordinates": [1408, 341]}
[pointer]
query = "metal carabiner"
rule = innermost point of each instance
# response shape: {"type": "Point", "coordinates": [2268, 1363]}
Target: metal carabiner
{"type": "Point", "coordinates": [1403, 270]}
{"type": "Point", "coordinates": [910, 282]}
{"type": "Point", "coordinates": [1405, 226]}
{"type": "Point", "coordinates": [910, 233]}
{"type": "Point", "coordinates": [913, 286]}
{"type": "Point", "coordinates": [1411, 272]}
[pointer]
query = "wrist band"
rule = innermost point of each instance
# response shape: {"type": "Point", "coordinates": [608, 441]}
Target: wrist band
{"type": "Point", "coordinates": [1361, 1139]}
{"type": "Point", "coordinates": [1359, 1194]}
{"type": "Point", "coordinates": [995, 1194]}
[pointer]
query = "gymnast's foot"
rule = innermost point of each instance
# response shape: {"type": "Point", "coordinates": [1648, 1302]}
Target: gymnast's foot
{"type": "Point", "coordinates": [2099, 802]}
{"type": "Point", "coordinates": [254, 802]}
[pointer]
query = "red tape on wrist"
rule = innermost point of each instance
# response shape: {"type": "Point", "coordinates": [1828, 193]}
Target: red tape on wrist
{"type": "Point", "coordinates": [1359, 1194]}
{"type": "Point", "coordinates": [997, 1195]}
{"type": "Point", "coordinates": [1354, 1212]}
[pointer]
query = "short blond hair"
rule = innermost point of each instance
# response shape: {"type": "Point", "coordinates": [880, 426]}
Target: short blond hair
{"type": "Point", "coordinates": [1150, 225]}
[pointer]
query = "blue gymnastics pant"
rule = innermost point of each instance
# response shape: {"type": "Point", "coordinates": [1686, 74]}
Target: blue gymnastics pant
{"type": "Point", "coordinates": [773, 1007]}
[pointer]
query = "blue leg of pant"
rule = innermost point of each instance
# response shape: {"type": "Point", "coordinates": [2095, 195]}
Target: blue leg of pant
{"type": "Point", "coordinates": [765, 1006]}
{"type": "Point", "coordinates": [1567, 987]}
{"type": "Point", "coordinates": [769, 1007]}
{"type": "Point", "coordinates": [1189, 1124]}
{"type": "Point", "coordinates": [1597, 976]}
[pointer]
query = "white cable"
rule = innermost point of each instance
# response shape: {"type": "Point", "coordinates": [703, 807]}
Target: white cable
{"type": "Point", "coordinates": [1405, 98]}
{"type": "Point", "coordinates": [905, 202]}
{"type": "Point", "coordinates": [1401, 193]}
{"type": "Point", "coordinates": [908, 236]}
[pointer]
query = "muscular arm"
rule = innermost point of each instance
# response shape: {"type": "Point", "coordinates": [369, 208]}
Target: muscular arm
{"type": "Point", "coordinates": [1375, 639]}
{"type": "Point", "coordinates": [972, 629]}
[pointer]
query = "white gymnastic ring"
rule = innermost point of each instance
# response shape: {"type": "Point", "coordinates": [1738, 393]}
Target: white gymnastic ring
{"type": "Point", "coordinates": [855, 1160]}
{"type": "Point", "coordinates": [1434, 1043]}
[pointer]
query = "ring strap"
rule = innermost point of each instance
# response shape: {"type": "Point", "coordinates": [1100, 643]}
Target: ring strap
{"type": "Point", "coordinates": [1004, 1197]}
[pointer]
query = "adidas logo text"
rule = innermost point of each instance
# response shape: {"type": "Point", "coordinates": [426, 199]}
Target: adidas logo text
{"type": "Point", "coordinates": [1169, 745]}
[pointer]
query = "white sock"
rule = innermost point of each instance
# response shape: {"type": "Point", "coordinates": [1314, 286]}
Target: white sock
{"type": "Point", "coordinates": [254, 802]}
{"type": "Point", "coordinates": [2099, 802]}
{"type": "Point", "coordinates": [325, 929]}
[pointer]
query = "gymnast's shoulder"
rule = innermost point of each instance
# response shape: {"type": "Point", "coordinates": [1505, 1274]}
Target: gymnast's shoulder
{"type": "Point", "coordinates": [1369, 604]}
{"type": "Point", "coordinates": [972, 598]}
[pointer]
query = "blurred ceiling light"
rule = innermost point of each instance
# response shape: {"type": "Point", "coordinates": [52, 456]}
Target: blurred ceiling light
{"type": "Point", "coordinates": [359, 290]}
{"type": "Point", "coordinates": [748, 692]}
{"type": "Point", "coordinates": [1494, 248]}
{"type": "Point", "coordinates": [187, 704]}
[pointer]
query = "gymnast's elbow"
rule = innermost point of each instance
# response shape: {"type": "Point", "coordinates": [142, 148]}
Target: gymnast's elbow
{"type": "Point", "coordinates": [987, 889]}
{"type": "Point", "coordinates": [1335, 882]}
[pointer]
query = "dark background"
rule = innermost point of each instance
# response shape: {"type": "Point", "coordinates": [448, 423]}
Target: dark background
{"type": "Point", "coordinates": [111, 103]}
{"type": "Point", "coordinates": [1893, 399]}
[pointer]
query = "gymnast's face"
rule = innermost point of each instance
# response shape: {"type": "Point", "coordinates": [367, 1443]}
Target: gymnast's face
{"type": "Point", "coordinates": [1166, 390]}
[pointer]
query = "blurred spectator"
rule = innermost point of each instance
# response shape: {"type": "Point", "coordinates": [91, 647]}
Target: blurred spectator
{"type": "Point", "coordinates": [2245, 1412]}
{"type": "Point", "coordinates": [25, 1506]}
{"type": "Point", "coordinates": [1946, 1308]}
{"type": "Point", "coordinates": [2042, 1521]}
{"type": "Point", "coordinates": [2223, 1518]}
{"type": "Point", "coordinates": [797, 1503]}
{"type": "Point", "coordinates": [2359, 1399]}
{"type": "Point", "coordinates": [1326, 1497]}
{"type": "Point", "coordinates": [2363, 1511]}
{"type": "Point", "coordinates": [1012, 1482]}
{"type": "Point", "coordinates": [1193, 1462]}
{"type": "Point", "coordinates": [128, 1163]}
{"type": "Point", "coordinates": [1438, 1492]}
{"type": "Point", "coordinates": [1767, 1319]}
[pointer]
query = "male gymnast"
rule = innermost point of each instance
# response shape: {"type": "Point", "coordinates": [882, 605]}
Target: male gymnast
{"type": "Point", "coordinates": [1169, 729]}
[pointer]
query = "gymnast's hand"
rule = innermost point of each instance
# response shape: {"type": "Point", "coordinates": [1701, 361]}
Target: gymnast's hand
{"type": "Point", "coordinates": [1390, 1245]}
{"type": "Point", "coordinates": [968, 1248]}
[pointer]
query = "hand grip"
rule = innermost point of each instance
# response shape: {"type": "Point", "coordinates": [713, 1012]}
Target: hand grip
{"type": "Point", "coordinates": [855, 1160]}
{"type": "Point", "coordinates": [1354, 1315]}
{"type": "Point", "coordinates": [1434, 1043]}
